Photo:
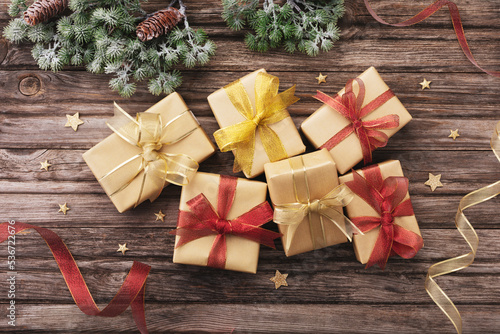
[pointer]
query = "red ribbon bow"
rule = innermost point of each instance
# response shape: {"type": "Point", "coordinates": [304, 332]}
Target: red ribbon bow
{"type": "Point", "coordinates": [131, 292]}
{"type": "Point", "coordinates": [203, 220]}
{"type": "Point", "coordinates": [386, 197]}
{"type": "Point", "coordinates": [350, 106]}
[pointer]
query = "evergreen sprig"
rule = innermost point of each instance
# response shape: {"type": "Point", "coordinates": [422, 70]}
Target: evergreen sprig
{"type": "Point", "coordinates": [100, 35]}
{"type": "Point", "coordinates": [298, 25]}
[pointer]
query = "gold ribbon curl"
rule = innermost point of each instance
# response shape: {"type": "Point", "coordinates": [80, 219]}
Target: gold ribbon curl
{"type": "Point", "coordinates": [270, 108]}
{"type": "Point", "coordinates": [148, 132]}
{"type": "Point", "coordinates": [467, 231]}
{"type": "Point", "coordinates": [329, 207]}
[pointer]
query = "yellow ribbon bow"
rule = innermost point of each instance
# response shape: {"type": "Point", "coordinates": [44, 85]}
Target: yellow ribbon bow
{"type": "Point", "coordinates": [149, 133]}
{"type": "Point", "coordinates": [270, 108]}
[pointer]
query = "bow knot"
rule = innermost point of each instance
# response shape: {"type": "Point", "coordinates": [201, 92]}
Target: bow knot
{"type": "Point", "coordinates": [150, 151]}
{"type": "Point", "coordinates": [257, 119]}
{"type": "Point", "coordinates": [223, 226]}
{"type": "Point", "coordinates": [357, 124]}
{"type": "Point", "coordinates": [386, 218]}
{"type": "Point", "coordinates": [314, 206]}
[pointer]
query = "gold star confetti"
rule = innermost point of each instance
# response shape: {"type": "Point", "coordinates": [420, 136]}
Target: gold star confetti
{"type": "Point", "coordinates": [279, 279]}
{"type": "Point", "coordinates": [122, 248]}
{"type": "Point", "coordinates": [434, 181]}
{"type": "Point", "coordinates": [73, 121]}
{"type": "Point", "coordinates": [45, 165]}
{"type": "Point", "coordinates": [425, 84]}
{"type": "Point", "coordinates": [454, 134]}
{"type": "Point", "coordinates": [63, 208]}
{"type": "Point", "coordinates": [160, 216]}
{"type": "Point", "coordinates": [321, 78]}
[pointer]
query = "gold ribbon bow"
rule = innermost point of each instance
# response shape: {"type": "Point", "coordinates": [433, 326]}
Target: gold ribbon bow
{"type": "Point", "coordinates": [270, 108]}
{"type": "Point", "coordinates": [329, 207]}
{"type": "Point", "coordinates": [149, 133]}
{"type": "Point", "coordinates": [467, 231]}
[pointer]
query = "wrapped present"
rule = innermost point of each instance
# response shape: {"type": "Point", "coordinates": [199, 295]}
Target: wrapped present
{"type": "Point", "coordinates": [353, 123]}
{"type": "Point", "coordinates": [254, 122]}
{"type": "Point", "coordinates": [308, 202]}
{"type": "Point", "coordinates": [229, 236]}
{"type": "Point", "coordinates": [382, 210]}
{"type": "Point", "coordinates": [160, 146]}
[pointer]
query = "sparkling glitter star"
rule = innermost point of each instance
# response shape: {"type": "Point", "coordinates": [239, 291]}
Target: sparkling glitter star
{"type": "Point", "coordinates": [321, 78]}
{"type": "Point", "coordinates": [45, 165]}
{"type": "Point", "coordinates": [63, 208]}
{"type": "Point", "coordinates": [425, 84]}
{"type": "Point", "coordinates": [73, 121]}
{"type": "Point", "coordinates": [279, 279]}
{"type": "Point", "coordinates": [454, 134]}
{"type": "Point", "coordinates": [122, 248]}
{"type": "Point", "coordinates": [434, 181]}
{"type": "Point", "coordinates": [160, 216]}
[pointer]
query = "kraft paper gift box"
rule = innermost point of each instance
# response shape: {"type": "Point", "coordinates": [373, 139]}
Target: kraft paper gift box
{"type": "Point", "coordinates": [364, 244]}
{"type": "Point", "coordinates": [326, 122]}
{"type": "Point", "coordinates": [113, 151]}
{"type": "Point", "coordinates": [287, 184]}
{"type": "Point", "coordinates": [241, 254]}
{"type": "Point", "coordinates": [227, 114]}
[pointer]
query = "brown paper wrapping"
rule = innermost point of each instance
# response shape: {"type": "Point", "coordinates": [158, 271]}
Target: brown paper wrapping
{"type": "Point", "coordinates": [226, 115]}
{"type": "Point", "coordinates": [242, 254]}
{"type": "Point", "coordinates": [325, 122]}
{"type": "Point", "coordinates": [363, 244]}
{"type": "Point", "coordinates": [113, 150]}
{"type": "Point", "coordinates": [322, 178]}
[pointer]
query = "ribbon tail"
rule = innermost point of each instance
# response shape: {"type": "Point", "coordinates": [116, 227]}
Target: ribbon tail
{"type": "Point", "coordinates": [406, 243]}
{"type": "Point", "coordinates": [272, 144]}
{"type": "Point", "coordinates": [138, 312]}
{"type": "Point", "coordinates": [383, 245]}
{"type": "Point", "coordinates": [218, 253]}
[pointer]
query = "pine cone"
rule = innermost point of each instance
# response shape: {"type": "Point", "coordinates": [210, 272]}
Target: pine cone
{"type": "Point", "coordinates": [43, 10]}
{"type": "Point", "coordinates": [158, 24]}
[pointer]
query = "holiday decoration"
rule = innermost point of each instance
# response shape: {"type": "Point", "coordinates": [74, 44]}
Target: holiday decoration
{"type": "Point", "coordinates": [469, 234]}
{"type": "Point", "coordinates": [279, 279]}
{"type": "Point", "coordinates": [45, 165]}
{"type": "Point", "coordinates": [160, 216]}
{"type": "Point", "coordinates": [321, 78]}
{"type": "Point", "coordinates": [63, 208]}
{"type": "Point", "coordinates": [425, 84]}
{"type": "Point", "coordinates": [304, 25]}
{"type": "Point", "coordinates": [131, 292]}
{"type": "Point", "coordinates": [454, 134]}
{"type": "Point", "coordinates": [108, 37]}
{"type": "Point", "coordinates": [162, 145]}
{"type": "Point", "coordinates": [382, 210]}
{"type": "Point", "coordinates": [308, 202]}
{"type": "Point", "coordinates": [73, 121]}
{"type": "Point", "coordinates": [122, 248]}
{"type": "Point", "coordinates": [434, 181]}
{"type": "Point", "coordinates": [228, 237]}
{"type": "Point", "coordinates": [254, 122]}
{"type": "Point", "coordinates": [360, 118]}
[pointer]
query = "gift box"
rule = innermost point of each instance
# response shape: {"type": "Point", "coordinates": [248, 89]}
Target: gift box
{"type": "Point", "coordinates": [306, 196]}
{"type": "Point", "coordinates": [166, 141]}
{"type": "Point", "coordinates": [219, 223]}
{"type": "Point", "coordinates": [382, 210]}
{"type": "Point", "coordinates": [360, 118]}
{"type": "Point", "coordinates": [254, 122]}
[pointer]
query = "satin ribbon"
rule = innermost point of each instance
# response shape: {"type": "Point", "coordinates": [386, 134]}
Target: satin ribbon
{"type": "Point", "coordinates": [351, 107]}
{"type": "Point", "coordinates": [202, 220]}
{"type": "Point", "coordinates": [467, 231]}
{"type": "Point", "coordinates": [457, 26]}
{"type": "Point", "coordinates": [149, 133]}
{"type": "Point", "coordinates": [131, 292]}
{"type": "Point", "coordinates": [270, 108]}
{"type": "Point", "coordinates": [386, 197]}
{"type": "Point", "coordinates": [329, 207]}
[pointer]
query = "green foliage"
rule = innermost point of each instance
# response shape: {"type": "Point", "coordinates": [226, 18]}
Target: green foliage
{"type": "Point", "coordinates": [298, 25]}
{"type": "Point", "coordinates": [100, 35]}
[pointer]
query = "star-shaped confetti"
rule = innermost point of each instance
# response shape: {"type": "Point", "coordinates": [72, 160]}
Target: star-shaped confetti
{"type": "Point", "coordinates": [73, 121]}
{"type": "Point", "coordinates": [425, 84]}
{"type": "Point", "coordinates": [279, 279]}
{"type": "Point", "coordinates": [122, 248]}
{"type": "Point", "coordinates": [454, 134]}
{"type": "Point", "coordinates": [321, 78]}
{"type": "Point", "coordinates": [63, 208]}
{"type": "Point", "coordinates": [160, 216]}
{"type": "Point", "coordinates": [45, 165]}
{"type": "Point", "coordinates": [434, 181]}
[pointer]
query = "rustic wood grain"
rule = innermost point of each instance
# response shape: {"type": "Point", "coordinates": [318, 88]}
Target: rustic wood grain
{"type": "Point", "coordinates": [329, 291]}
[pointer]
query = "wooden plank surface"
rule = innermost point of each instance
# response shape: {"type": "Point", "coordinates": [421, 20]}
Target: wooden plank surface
{"type": "Point", "coordinates": [329, 291]}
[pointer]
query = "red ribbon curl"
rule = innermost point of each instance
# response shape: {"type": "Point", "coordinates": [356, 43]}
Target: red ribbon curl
{"type": "Point", "coordinates": [203, 220]}
{"type": "Point", "coordinates": [350, 106]}
{"type": "Point", "coordinates": [386, 197]}
{"type": "Point", "coordinates": [457, 26]}
{"type": "Point", "coordinates": [131, 292]}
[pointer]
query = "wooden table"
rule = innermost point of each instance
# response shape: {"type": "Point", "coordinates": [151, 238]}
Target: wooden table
{"type": "Point", "coordinates": [329, 291]}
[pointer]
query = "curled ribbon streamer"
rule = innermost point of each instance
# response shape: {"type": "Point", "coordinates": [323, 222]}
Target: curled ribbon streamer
{"type": "Point", "coordinates": [457, 26]}
{"type": "Point", "coordinates": [350, 105]}
{"type": "Point", "coordinates": [270, 108]}
{"type": "Point", "coordinates": [203, 220]}
{"type": "Point", "coordinates": [329, 206]}
{"type": "Point", "coordinates": [149, 134]}
{"type": "Point", "coordinates": [469, 234]}
{"type": "Point", "coordinates": [131, 292]}
{"type": "Point", "coordinates": [386, 197]}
